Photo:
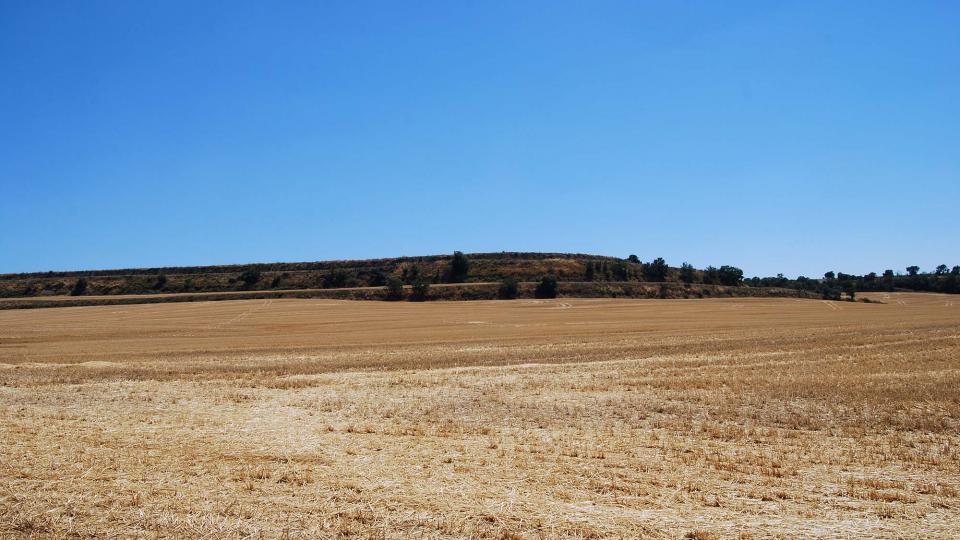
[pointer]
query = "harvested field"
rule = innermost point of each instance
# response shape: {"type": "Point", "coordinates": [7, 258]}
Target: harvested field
{"type": "Point", "coordinates": [568, 418]}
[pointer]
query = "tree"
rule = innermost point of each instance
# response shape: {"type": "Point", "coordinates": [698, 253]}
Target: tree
{"type": "Point", "coordinates": [913, 270]}
{"type": "Point", "coordinates": [620, 271]}
{"type": "Point", "coordinates": [547, 288]}
{"type": "Point", "coordinates": [459, 267]}
{"type": "Point", "coordinates": [79, 287]}
{"type": "Point", "coordinates": [250, 277]}
{"type": "Point", "coordinates": [941, 269]}
{"type": "Point", "coordinates": [509, 289]}
{"type": "Point", "coordinates": [634, 259]}
{"type": "Point", "coordinates": [656, 270]}
{"type": "Point", "coordinates": [730, 275]}
{"type": "Point", "coordinates": [888, 273]}
{"type": "Point", "coordinates": [394, 288]}
{"type": "Point", "coordinates": [955, 270]}
{"type": "Point", "coordinates": [588, 274]}
{"type": "Point", "coordinates": [711, 276]}
{"type": "Point", "coordinates": [419, 290]}
{"type": "Point", "coordinates": [829, 276]}
{"type": "Point", "coordinates": [687, 274]}
{"type": "Point", "coordinates": [851, 291]}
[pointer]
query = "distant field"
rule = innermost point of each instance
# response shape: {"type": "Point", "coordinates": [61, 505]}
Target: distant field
{"type": "Point", "coordinates": [567, 418]}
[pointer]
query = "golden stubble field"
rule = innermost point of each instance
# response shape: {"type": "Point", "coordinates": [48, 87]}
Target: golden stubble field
{"type": "Point", "coordinates": [733, 418]}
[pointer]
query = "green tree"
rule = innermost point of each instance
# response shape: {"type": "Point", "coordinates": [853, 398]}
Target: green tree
{"type": "Point", "coordinates": [851, 290]}
{"type": "Point", "coordinates": [829, 276]}
{"type": "Point", "coordinates": [459, 267]}
{"type": "Point", "coordinates": [913, 270]}
{"type": "Point", "coordinates": [687, 274]}
{"type": "Point", "coordinates": [588, 273]}
{"type": "Point", "coordinates": [941, 269]}
{"type": "Point", "coordinates": [620, 271]}
{"type": "Point", "coordinates": [80, 287]}
{"type": "Point", "coordinates": [634, 259]}
{"type": "Point", "coordinates": [711, 275]}
{"type": "Point", "coordinates": [394, 288]}
{"type": "Point", "coordinates": [655, 270]}
{"type": "Point", "coordinates": [547, 288]}
{"type": "Point", "coordinates": [955, 270]}
{"type": "Point", "coordinates": [509, 288]}
{"type": "Point", "coordinates": [730, 275]}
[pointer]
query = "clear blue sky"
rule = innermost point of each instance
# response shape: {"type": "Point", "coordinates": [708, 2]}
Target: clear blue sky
{"type": "Point", "coordinates": [793, 137]}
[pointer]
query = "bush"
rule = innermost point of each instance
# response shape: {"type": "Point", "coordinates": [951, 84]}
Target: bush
{"type": "Point", "coordinates": [547, 288]}
{"type": "Point", "coordinates": [509, 288]}
{"type": "Point", "coordinates": [250, 277]}
{"type": "Point", "coordinates": [394, 288]}
{"type": "Point", "coordinates": [419, 290]}
{"type": "Point", "coordinates": [687, 274]}
{"type": "Point", "coordinates": [79, 287]}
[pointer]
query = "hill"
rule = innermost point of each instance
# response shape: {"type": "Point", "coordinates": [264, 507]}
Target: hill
{"type": "Point", "coordinates": [471, 276]}
{"type": "Point", "coordinates": [483, 268]}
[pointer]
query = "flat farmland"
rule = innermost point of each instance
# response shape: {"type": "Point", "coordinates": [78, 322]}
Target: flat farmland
{"type": "Point", "coordinates": [566, 418]}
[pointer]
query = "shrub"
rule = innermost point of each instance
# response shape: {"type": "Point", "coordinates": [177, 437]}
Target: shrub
{"type": "Point", "coordinates": [419, 290]}
{"type": "Point", "coordinates": [509, 289]}
{"type": "Point", "coordinates": [394, 288]}
{"type": "Point", "coordinates": [79, 287]}
{"type": "Point", "coordinates": [687, 274]}
{"type": "Point", "coordinates": [547, 288]}
{"type": "Point", "coordinates": [250, 277]}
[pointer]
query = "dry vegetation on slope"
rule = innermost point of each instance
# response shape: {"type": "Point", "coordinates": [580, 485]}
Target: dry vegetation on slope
{"type": "Point", "coordinates": [567, 418]}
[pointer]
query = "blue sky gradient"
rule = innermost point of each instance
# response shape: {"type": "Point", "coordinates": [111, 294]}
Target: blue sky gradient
{"type": "Point", "coordinates": [793, 137]}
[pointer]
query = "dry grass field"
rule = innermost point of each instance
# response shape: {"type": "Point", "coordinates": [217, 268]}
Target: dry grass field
{"type": "Point", "coordinates": [568, 418]}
